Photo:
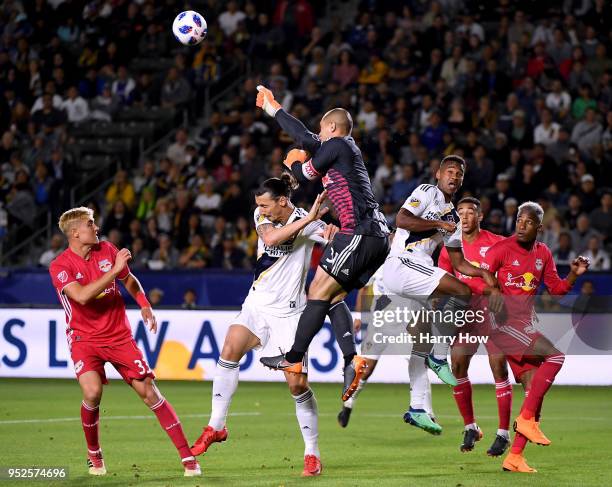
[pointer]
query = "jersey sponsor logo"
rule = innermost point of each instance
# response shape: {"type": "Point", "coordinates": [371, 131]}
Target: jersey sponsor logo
{"type": "Point", "coordinates": [516, 263]}
{"type": "Point", "coordinates": [108, 290]}
{"type": "Point", "coordinates": [62, 276]}
{"type": "Point", "coordinates": [539, 264]}
{"type": "Point", "coordinates": [79, 275]}
{"type": "Point", "coordinates": [526, 282]}
{"type": "Point", "coordinates": [414, 202]}
{"type": "Point", "coordinates": [483, 251]}
{"type": "Point", "coordinates": [105, 265]}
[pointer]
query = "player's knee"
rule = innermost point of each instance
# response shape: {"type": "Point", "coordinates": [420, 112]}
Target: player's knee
{"type": "Point", "coordinates": [92, 395]}
{"type": "Point", "coordinates": [500, 371]}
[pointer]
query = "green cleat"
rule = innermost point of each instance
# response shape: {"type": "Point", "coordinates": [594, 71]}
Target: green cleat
{"type": "Point", "coordinates": [442, 370]}
{"type": "Point", "coordinates": [421, 419]}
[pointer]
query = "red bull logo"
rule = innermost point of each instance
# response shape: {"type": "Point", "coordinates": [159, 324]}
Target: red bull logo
{"type": "Point", "coordinates": [526, 282]}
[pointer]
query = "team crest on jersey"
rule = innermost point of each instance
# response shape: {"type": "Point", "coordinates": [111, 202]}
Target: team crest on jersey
{"type": "Point", "coordinates": [414, 202]}
{"type": "Point", "coordinates": [539, 264]}
{"type": "Point", "coordinates": [105, 265]}
{"type": "Point", "coordinates": [62, 276]}
{"type": "Point", "coordinates": [483, 251]}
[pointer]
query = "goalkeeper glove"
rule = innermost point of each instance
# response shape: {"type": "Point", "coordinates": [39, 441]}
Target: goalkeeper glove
{"type": "Point", "coordinates": [266, 101]}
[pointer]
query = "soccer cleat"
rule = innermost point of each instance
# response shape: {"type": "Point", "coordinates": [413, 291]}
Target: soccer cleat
{"type": "Point", "coordinates": [530, 429]}
{"type": "Point", "coordinates": [515, 462]}
{"type": "Point", "coordinates": [344, 416]}
{"type": "Point", "coordinates": [470, 437]}
{"type": "Point", "coordinates": [442, 369]}
{"type": "Point", "coordinates": [95, 462]}
{"type": "Point", "coordinates": [192, 467]}
{"type": "Point", "coordinates": [278, 362]}
{"type": "Point", "coordinates": [207, 438]}
{"type": "Point", "coordinates": [353, 373]}
{"type": "Point", "coordinates": [499, 446]}
{"type": "Point", "coordinates": [312, 466]}
{"type": "Point", "coordinates": [421, 419]}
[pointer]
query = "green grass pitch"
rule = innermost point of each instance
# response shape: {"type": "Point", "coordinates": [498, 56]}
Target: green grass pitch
{"type": "Point", "coordinates": [265, 446]}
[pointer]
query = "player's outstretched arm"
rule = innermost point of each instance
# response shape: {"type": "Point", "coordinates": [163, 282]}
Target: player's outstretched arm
{"type": "Point", "coordinates": [273, 236]}
{"type": "Point", "coordinates": [460, 264]}
{"type": "Point", "coordinates": [133, 286]}
{"type": "Point", "coordinates": [296, 129]}
{"type": "Point", "coordinates": [555, 284]}
{"type": "Point", "coordinates": [84, 294]}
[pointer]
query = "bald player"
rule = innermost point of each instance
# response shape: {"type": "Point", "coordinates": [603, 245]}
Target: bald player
{"type": "Point", "coordinates": [356, 251]}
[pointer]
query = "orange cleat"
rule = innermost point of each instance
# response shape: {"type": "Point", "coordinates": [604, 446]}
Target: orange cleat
{"type": "Point", "coordinates": [353, 373]}
{"type": "Point", "coordinates": [312, 466]}
{"type": "Point", "coordinates": [515, 462]}
{"type": "Point", "coordinates": [207, 438]}
{"type": "Point", "coordinates": [530, 428]}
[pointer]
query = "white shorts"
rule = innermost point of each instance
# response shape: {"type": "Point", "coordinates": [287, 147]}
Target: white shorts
{"type": "Point", "coordinates": [275, 333]}
{"type": "Point", "coordinates": [406, 277]}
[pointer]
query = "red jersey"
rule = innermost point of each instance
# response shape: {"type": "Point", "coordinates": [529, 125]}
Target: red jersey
{"type": "Point", "coordinates": [474, 253]}
{"type": "Point", "coordinates": [520, 273]}
{"type": "Point", "coordinates": [103, 320]}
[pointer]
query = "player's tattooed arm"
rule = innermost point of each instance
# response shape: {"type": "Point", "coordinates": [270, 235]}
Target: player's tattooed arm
{"type": "Point", "coordinates": [273, 236]}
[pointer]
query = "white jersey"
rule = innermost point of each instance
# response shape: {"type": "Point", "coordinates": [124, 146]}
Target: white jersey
{"type": "Point", "coordinates": [280, 273]}
{"type": "Point", "coordinates": [427, 202]}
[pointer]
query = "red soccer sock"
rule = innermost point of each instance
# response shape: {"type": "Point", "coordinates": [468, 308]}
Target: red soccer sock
{"type": "Point", "coordinates": [503, 392]}
{"type": "Point", "coordinates": [520, 441]}
{"type": "Point", "coordinates": [541, 382]}
{"type": "Point", "coordinates": [171, 423]}
{"type": "Point", "coordinates": [462, 393]}
{"type": "Point", "coordinates": [90, 419]}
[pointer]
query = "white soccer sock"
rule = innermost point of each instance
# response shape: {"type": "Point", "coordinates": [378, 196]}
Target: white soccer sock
{"type": "Point", "coordinates": [504, 433]}
{"type": "Point", "coordinates": [440, 350]}
{"type": "Point", "coordinates": [307, 415]}
{"type": "Point", "coordinates": [224, 386]}
{"type": "Point", "coordinates": [428, 403]}
{"type": "Point", "coordinates": [419, 380]}
{"type": "Point", "coordinates": [349, 402]}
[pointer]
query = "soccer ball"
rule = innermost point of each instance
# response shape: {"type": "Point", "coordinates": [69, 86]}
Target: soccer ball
{"type": "Point", "coordinates": [189, 28]}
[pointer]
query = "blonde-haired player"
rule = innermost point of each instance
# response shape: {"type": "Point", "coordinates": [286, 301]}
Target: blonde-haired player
{"type": "Point", "coordinates": [98, 331]}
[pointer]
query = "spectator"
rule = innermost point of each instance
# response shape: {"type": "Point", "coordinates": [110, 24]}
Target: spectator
{"type": "Point", "coordinates": [509, 218]}
{"type": "Point", "coordinates": [402, 188]}
{"type": "Point", "coordinates": [175, 91]}
{"type": "Point", "coordinates": [189, 299]}
{"type": "Point", "coordinates": [229, 20]}
{"type": "Point", "coordinates": [121, 189]}
{"type": "Point", "coordinates": [600, 259]}
{"type": "Point", "coordinates": [196, 255]}
{"type": "Point", "coordinates": [601, 218]}
{"type": "Point", "coordinates": [227, 255]}
{"type": "Point", "coordinates": [119, 218]}
{"type": "Point", "coordinates": [547, 132]}
{"type": "Point", "coordinates": [165, 256]}
{"type": "Point", "coordinates": [56, 247]}
{"type": "Point", "coordinates": [123, 87]}
{"type": "Point", "coordinates": [140, 255]}
{"type": "Point", "coordinates": [587, 133]}
{"type": "Point", "coordinates": [104, 107]}
{"type": "Point", "coordinates": [156, 295]}
{"type": "Point", "coordinates": [558, 100]}
{"type": "Point", "coordinates": [75, 106]}
{"type": "Point", "coordinates": [582, 234]}
{"type": "Point", "coordinates": [564, 254]}
{"type": "Point", "coordinates": [177, 151]}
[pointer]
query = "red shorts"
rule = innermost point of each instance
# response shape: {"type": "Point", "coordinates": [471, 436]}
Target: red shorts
{"type": "Point", "coordinates": [515, 339]}
{"type": "Point", "coordinates": [521, 364]}
{"type": "Point", "coordinates": [126, 358]}
{"type": "Point", "coordinates": [479, 330]}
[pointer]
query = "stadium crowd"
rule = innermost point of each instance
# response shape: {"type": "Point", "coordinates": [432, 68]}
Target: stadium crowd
{"type": "Point", "coordinates": [521, 89]}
